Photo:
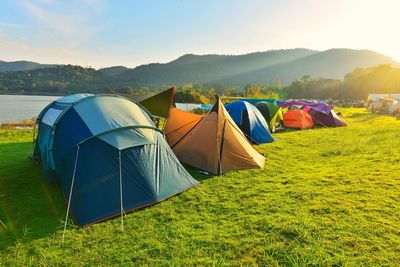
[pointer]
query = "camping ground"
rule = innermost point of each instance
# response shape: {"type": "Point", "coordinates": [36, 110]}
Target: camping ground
{"type": "Point", "coordinates": [327, 196]}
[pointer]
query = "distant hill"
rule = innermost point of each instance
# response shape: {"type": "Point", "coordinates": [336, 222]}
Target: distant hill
{"type": "Point", "coordinates": [217, 71]}
{"type": "Point", "coordinates": [209, 68]}
{"type": "Point", "coordinates": [333, 63]}
{"type": "Point", "coordinates": [22, 66]}
{"type": "Point", "coordinates": [112, 71]}
{"type": "Point", "coordinates": [260, 68]}
{"type": "Point", "coordinates": [63, 79]}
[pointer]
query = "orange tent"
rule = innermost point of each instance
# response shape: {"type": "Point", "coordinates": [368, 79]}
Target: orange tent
{"type": "Point", "coordinates": [213, 143]}
{"type": "Point", "coordinates": [298, 119]}
{"type": "Point", "coordinates": [179, 123]}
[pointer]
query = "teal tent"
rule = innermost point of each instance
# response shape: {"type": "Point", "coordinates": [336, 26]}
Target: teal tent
{"type": "Point", "coordinates": [107, 155]}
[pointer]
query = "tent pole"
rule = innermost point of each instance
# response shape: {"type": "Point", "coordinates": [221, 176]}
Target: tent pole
{"type": "Point", "coordinates": [120, 190]}
{"type": "Point", "coordinates": [221, 147]}
{"type": "Point", "coordinates": [216, 135]}
{"type": "Point", "coordinates": [70, 194]}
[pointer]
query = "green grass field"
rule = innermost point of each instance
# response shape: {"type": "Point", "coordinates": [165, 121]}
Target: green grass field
{"type": "Point", "coordinates": [326, 197]}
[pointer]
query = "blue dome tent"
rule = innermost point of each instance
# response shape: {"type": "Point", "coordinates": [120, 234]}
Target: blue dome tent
{"type": "Point", "coordinates": [250, 121]}
{"type": "Point", "coordinates": [107, 155]}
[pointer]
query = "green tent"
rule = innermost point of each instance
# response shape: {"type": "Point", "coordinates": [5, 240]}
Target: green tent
{"type": "Point", "coordinates": [271, 112]}
{"type": "Point", "coordinates": [159, 104]}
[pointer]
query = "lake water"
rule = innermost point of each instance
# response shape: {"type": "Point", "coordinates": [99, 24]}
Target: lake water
{"type": "Point", "coordinates": [19, 107]}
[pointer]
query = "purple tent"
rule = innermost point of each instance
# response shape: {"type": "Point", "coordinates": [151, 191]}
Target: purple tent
{"type": "Point", "coordinates": [321, 107]}
{"type": "Point", "coordinates": [321, 113]}
{"type": "Point", "coordinates": [327, 120]}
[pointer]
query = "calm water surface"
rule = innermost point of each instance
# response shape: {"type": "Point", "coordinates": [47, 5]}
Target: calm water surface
{"type": "Point", "coordinates": [19, 107]}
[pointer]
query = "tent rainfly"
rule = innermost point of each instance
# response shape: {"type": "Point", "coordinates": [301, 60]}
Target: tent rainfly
{"type": "Point", "coordinates": [159, 104]}
{"type": "Point", "coordinates": [213, 143]}
{"type": "Point", "coordinates": [107, 155]}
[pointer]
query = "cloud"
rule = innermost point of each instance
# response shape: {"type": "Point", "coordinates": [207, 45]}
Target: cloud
{"type": "Point", "coordinates": [73, 23]}
{"type": "Point", "coordinates": [46, 1]}
{"type": "Point", "coordinates": [12, 50]}
{"type": "Point", "coordinates": [59, 32]}
{"type": "Point", "coordinates": [13, 25]}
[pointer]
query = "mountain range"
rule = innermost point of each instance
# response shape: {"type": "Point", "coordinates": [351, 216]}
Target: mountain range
{"type": "Point", "coordinates": [285, 65]}
{"type": "Point", "coordinates": [22, 65]}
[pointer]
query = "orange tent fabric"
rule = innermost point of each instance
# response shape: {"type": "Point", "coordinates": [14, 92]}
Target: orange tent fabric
{"type": "Point", "coordinates": [213, 143]}
{"type": "Point", "coordinates": [179, 123]}
{"type": "Point", "coordinates": [298, 119]}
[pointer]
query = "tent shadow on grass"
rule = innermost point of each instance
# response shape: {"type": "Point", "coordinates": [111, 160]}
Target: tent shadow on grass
{"type": "Point", "coordinates": [30, 208]}
{"type": "Point", "coordinates": [196, 174]}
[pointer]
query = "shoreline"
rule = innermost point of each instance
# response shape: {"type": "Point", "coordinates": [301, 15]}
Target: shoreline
{"type": "Point", "coordinates": [24, 124]}
{"type": "Point", "coordinates": [51, 94]}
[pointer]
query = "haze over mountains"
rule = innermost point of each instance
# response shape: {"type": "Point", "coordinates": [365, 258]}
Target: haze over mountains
{"type": "Point", "coordinates": [237, 70]}
{"type": "Point", "coordinates": [259, 68]}
{"type": "Point", "coordinates": [334, 63]}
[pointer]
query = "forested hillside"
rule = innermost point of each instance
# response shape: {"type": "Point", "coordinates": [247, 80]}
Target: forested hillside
{"type": "Point", "coordinates": [22, 65]}
{"type": "Point", "coordinates": [355, 85]}
{"type": "Point", "coordinates": [210, 69]}
{"type": "Point", "coordinates": [296, 73]}
{"type": "Point", "coordinates": [332, 64]}
{"type": "Point", "coordinates": [58, 80]}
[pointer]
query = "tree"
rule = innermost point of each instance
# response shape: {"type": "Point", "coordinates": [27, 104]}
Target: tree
{"type": "Point", "coordinates": [232, 91]}
{"type": "Point", "coordinates": [253, 90]}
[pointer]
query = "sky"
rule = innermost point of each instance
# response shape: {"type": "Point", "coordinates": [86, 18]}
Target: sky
{"type": "Point", "coordinates": [102, 33]}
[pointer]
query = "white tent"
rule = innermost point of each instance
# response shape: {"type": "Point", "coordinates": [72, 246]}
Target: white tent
{"type": "Point", "coordinates": [376, 97]}
{"type": "Point", "coordinates": [394, 107]}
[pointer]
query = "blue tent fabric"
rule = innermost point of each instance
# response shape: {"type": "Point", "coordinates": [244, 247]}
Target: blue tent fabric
{"type": "Point", "coordinates": [250, 121]}
{"type": "Point", "coordinates": [112, 144]}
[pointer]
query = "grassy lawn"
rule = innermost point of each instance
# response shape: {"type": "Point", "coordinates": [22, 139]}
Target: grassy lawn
{"type": "Point", "coordinates": [326, 197]}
